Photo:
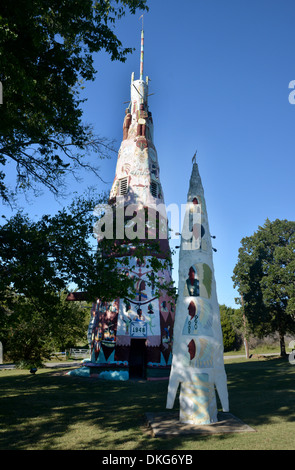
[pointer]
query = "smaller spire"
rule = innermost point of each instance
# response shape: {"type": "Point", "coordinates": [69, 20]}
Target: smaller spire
{"type": "Point", "coordinates": [194, 159]}
{"type": "Point", "coordinates": [195, 185]}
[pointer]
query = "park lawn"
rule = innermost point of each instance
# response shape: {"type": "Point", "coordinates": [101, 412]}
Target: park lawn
{"type": "Point", "coordinates": [54, 411]}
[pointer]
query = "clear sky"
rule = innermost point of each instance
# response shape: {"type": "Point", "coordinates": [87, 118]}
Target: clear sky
{"type": "Point", "coordinates": [220, 71]}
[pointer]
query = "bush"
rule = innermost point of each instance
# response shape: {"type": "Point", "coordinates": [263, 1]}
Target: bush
{"type": "Point", "coordinates": [230, 323]}
{"type": "Point", "coordinates": [229, 336]}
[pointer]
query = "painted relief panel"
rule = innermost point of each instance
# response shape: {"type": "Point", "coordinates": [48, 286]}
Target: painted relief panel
{"type": "Point", "coordinates": [199, 319]}
{"type": "Point", "coordinates": [144, 316]}
{"type": "Point", "coordinates": [104, 328]}
{"type": "Point", "coordinates": [197, 400]}
{"type": "Point", "coordinates": [199, 281]}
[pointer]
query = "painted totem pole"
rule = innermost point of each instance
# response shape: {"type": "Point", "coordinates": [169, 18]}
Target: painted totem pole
{"type": "Point", "coordinates": [197, 363]}
{"type": "Point", "coordinates": [136, 332]}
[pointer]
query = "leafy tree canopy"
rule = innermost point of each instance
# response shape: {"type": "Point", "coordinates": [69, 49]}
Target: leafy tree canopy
{"type": "Point", "coordinates": [40, 258]}
{"type": "Point", "coordinates": [46, 50]}
{"type": "Point", "coordinates": [56, 254]}
{"type": "Point", "coordinates": [264, 276]}
{"type": "Point", "coordinates": [31, 330]}
{"type": "Point", "coordinates": [231, 325]}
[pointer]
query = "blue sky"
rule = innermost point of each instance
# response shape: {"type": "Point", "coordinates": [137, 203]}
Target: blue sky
{"type": "Point", "coordinates": [219, 71]}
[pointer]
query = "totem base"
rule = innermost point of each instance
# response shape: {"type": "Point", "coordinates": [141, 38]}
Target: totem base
{"type": "Point", "coordinates": [168, 424]}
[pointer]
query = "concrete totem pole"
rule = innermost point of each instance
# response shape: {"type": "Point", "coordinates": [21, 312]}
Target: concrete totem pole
{"type": "Point", "coordinates": [136, 333]}
{"type": "Point", "coordinates": [197, 362]}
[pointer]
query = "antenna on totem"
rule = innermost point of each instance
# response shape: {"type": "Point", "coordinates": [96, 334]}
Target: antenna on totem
{"type": "Point", "coordinates": [141, 50]}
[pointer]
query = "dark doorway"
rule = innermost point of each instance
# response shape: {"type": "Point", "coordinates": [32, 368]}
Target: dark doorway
{"type": "Point", "coordinates": [137, 358]}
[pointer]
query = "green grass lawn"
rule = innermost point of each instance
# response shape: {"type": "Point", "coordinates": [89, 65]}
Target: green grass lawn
{"type": "Point", "coordinates": [51, 411]}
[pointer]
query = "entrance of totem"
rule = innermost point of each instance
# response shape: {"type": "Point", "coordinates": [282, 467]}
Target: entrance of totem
{"type": "Point", "coordinates": [137, 358]}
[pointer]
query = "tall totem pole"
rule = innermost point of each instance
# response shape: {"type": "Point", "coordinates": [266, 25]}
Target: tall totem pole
{"type": "Point", "coordinates": [198, 344]}
{"type": "Point", "coordinates": [136, 333]}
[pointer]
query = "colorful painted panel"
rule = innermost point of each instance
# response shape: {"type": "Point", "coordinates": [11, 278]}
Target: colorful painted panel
{"type": "Point", "coordinates": [197, 401]}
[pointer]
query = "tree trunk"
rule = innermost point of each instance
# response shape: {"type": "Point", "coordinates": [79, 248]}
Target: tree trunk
{"type": "Point", "coordinates": [282, 346]}
{"type": "Point", "coordinates": [246, 347]}
{"type": "Point", "coordinates": [245, 330]}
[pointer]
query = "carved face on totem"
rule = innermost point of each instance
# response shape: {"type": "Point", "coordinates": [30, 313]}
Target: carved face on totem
{"type": "Point", "coordinates": [192, 349]}
{"type": "Point", "coordinates": [192, 310]}
{"type": "Point", "coordinates": [191, 275]}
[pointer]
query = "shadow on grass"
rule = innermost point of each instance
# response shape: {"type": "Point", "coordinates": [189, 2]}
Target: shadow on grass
{"type": "Point", "coordinates": [263, 389]}
{"type": "Point", "coordinates": [47, 411]}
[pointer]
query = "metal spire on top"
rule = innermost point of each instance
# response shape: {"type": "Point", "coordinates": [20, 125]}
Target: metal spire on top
{"type": "Point", "coordinates": [141, 50]}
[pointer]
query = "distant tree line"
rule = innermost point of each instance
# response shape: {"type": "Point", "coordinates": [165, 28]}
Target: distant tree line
{"type": "Point", "coordinates": [265, 278]}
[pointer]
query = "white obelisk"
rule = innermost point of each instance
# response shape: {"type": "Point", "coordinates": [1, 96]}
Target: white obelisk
{"type": "Point", "coordinates": [197, 362]}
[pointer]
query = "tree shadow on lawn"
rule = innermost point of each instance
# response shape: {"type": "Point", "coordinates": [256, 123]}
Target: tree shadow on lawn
{"type": "Point", "coordinates": [262, 389]}
{"type": "Point", "coordinates": [37, 411]}
{"type": "Point", "coordinates": [41, 411]}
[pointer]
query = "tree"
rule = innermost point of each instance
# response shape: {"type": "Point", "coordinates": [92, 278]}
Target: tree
{"type": "Point", "coordinates": [33, 329]}
{"type": "Point", "coordinates": [264, 276]}
{"type": "Point", "coordinates": [27, 338]}
{"type": "Point", "coordinates": [39, 259]}
{"type": "Point", "coordinates": [46, 50]}
{"type": "Point", "coordinates": [230, 323]}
